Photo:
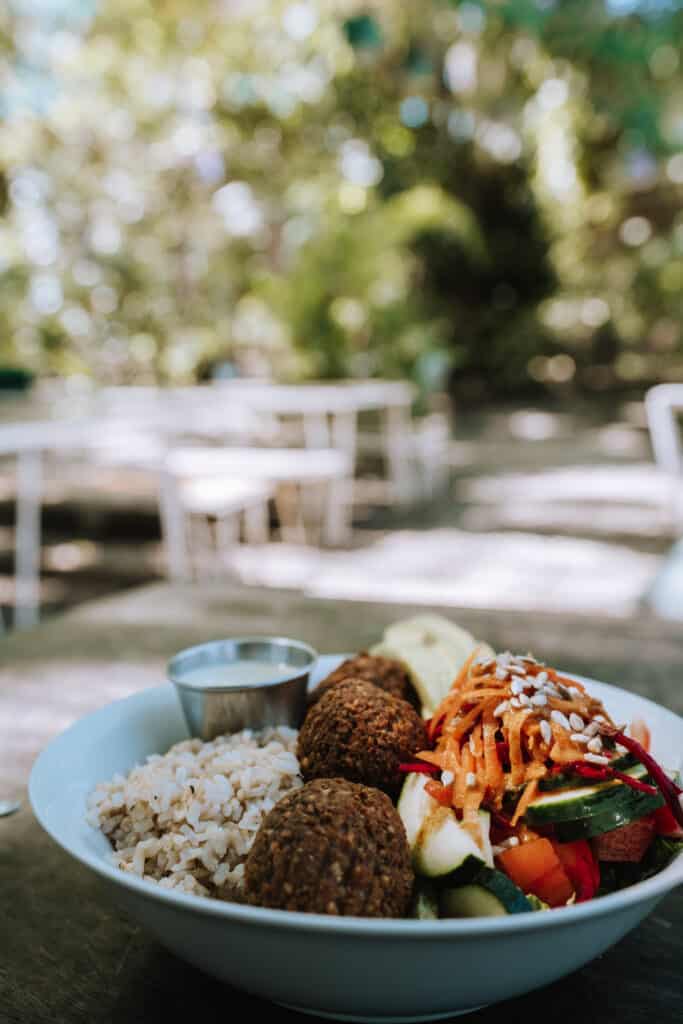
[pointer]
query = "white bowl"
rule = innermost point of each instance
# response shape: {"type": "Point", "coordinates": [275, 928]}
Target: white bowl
{"type": "Point", "coordinates": [348, 968]}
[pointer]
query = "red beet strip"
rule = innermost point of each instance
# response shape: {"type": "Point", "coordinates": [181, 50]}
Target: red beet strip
{"type": "Point", "coordinates": [418, 766]}
{"type": "Point", "coordinates": [607, 773]}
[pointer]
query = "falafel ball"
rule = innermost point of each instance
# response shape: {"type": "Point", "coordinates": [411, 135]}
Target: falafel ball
{"type": "Point", "coordinates": [332, 847]}
{"type": "Point", "coordinates": [360, 733]}
{"type": "Point", "coordinates": [386, 673]}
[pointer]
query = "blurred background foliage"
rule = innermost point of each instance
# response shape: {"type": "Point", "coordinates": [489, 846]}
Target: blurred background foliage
{"type": "Point", "coordinates": [481, 193]}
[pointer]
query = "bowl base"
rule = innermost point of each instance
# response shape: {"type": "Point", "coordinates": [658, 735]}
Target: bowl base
{"type": "Point", "coordinates": [352, 1017]}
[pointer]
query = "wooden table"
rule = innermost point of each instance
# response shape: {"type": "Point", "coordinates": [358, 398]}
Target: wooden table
{"type": "Point", "coordinates": [66, 954]}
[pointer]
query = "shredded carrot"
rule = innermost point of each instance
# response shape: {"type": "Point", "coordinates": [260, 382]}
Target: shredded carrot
{"type": "Point", "coordinates": [528, 795]}
{"type": "Point", "coordinates": [492, 756]}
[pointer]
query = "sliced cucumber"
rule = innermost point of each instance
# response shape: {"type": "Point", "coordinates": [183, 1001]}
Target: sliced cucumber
{"type": "Point", "coordinates": [439, 844]}
{"type": "Point", "coordinates": [639, 805]}
{"type": "Point", "coordinates": [414, 805]}
{"type": "Point", "coordinates": [425, 900]}
{"type": "Point", "coordinates": [582, 801]}
{"type": "Point", "coordinates": [489, 894]}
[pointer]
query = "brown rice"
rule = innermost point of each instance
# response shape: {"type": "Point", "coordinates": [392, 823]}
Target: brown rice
{"type": "Point", "coordinates": [187, 819]}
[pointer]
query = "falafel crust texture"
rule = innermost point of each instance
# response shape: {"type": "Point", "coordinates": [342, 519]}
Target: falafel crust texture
{"type": "Point", "coordinates": [360, 733]}
{"type": "Point", "coordinates": [332, 847]}
{"type": "Point", "coordinates": [386, 673]}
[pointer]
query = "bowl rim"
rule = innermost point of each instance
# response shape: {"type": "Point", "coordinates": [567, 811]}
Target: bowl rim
{"type": "Point", "coordinates": [396, 928]}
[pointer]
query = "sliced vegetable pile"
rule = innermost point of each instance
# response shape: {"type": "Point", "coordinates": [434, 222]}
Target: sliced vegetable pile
{"type": "Point", "coordinates": [530, 797]}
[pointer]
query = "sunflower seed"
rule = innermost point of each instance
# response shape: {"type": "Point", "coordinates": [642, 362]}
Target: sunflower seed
{"type": "Point", "coordinates": [560, 719]}
{"type": "Point", "coordinates": [501, 709]}
{"type": "Point", "coordinates": [578, 737]}
{"type": "Point", "coordinates": [546, 731]}
{"type": "Point", "coordinates": [471, 780]}
{"type": "Point", "coordinates": [447, 778]}
{"type": "Point", "coordinates": [539, 699]}
{"type": "Point", "coordinates": [595, 745]}
{"type": "Point", "coordinates": [576, 722]}
{"type": "Point", "coordinates": [592, 729]}
{"type": "Point", "coordinates": [596, 758]}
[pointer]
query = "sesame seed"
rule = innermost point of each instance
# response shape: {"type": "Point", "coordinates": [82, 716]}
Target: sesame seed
{"type": "Point", "coordinates": [472, 744]}
{"type": "Point", "coordinates": [519, 671]}
{"type": "Point", "coordinates": [526, 701]}
{"type": "Point", "coordinates": [501, 673]}
{"type": "Point", "coordinates": [574, 691]}
{"type": "Point", "coordinates": [551, 690]}
{"type": "Point", "coordinates": [560, 719]}
{"type": "Point", "coordinates": [471, 780]}
{"type": "Point", "coordinates": [596, 758]}
{"type": "Point", "coordinates": [541, 678]}
{"type": "Point", "coordinates": [447, 777]}
{"type": "Point", "coordinates": [601, 719]}
{"type": "Point", "coordinates": [501, 709]}
{"type": "Point", "coordinates": [546, 731]}
{"type": "Point", "coordinates": [514, 703]}
{"type": "Point", "coordinates": [517, 686]}
{"type": "Point", "coordinates": [595, 745]}
{"type": "Point", "coordinates": [539, 699]}
{"type": "Point", "coordinates": [576, 722]}
{"type": "Point", "coordinates": [592, 729]}
{"type": "Point", "coordinates": [578, 737]}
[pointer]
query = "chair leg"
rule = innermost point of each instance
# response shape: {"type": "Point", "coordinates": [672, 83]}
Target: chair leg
{"type": "Point", "coordinates": [256, 524]}
{"type": "Point", "coordinates": [288, 506]}
{"type": "Point", "coordinates": [337, 527]}
{"type": "Point", "coordinates": [227, 532]}
{"type": "Point", "coordinates": [27, 543]}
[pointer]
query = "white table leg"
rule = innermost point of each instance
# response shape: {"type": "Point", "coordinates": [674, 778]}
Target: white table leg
{"type": "Point", "coordinates": [173, 527]}
{"type": "Point", "coordinates": [398, 441]}
{"type": "Point", "coordinates": [345, 435]}
{"type": "Point", "coordinates": [316, 430]}
{"type": "Point", "coordinates": [27, 539]}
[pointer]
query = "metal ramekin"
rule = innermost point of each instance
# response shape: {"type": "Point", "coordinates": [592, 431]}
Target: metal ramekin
{"type": "Point", "coordinates": [214, 711]}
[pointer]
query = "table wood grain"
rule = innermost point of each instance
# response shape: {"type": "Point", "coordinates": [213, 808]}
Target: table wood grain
{"type": "Point", "coordinates": [66, 953]}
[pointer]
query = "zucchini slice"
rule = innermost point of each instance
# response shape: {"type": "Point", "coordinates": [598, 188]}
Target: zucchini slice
{"type": "Point", "coordinates": [489, 894]}
{"type": "Point", "coordinates": [582, 801]}
{"type": "Point", "coordinates": [439, 844]}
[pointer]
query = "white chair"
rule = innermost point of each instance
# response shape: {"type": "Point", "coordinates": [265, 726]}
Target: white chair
{"type": "Point", "coordinates": [187, 504]}
{"type": "Point", "coordinates": [293, 474]}
{"type": "Point", "coordinates": [663, 406]}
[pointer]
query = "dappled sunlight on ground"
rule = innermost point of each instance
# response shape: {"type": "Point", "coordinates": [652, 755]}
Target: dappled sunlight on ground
{"type": "Point", "coordinates": [458, 568]}
{"type": "Point", "coordinates": [608, 500]}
